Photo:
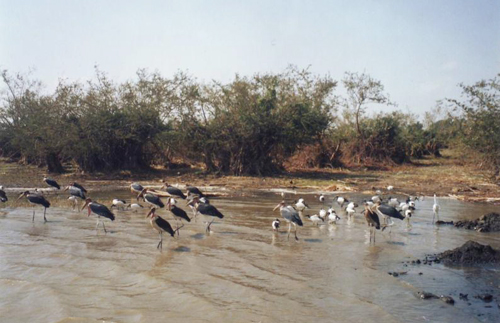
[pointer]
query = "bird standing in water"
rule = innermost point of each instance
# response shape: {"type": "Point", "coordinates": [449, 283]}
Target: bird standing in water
{"type": "Point", "coordinates": [291, 216]}
{"type": "Point", "coordinates": [161, 225]}
{"type": "Point", "coordinates": [435, 209]}
{"type": "Point", "coordinates": [372, 220]}
{"type": "Point", "coordinates": [37, 199]}
{"type": "Point", "coordinates": [100, 210]}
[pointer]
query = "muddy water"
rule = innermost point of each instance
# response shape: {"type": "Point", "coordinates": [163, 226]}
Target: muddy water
{"type": "Point", "coordinates": [62, 271]}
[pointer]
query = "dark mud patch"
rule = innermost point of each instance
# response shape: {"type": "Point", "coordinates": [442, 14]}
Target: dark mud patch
{"type": "Point", "coordinates": [471, 253]}
{"type": "Point", "coordinates": [487, 223]}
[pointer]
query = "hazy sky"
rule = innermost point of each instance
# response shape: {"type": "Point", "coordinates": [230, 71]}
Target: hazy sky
{"type": "Point", "coordinates": [420, 50]}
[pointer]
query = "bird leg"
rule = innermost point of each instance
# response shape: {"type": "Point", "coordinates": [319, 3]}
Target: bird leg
{"type": "Point", "coordinates": [296, 238]}
{"type": "Point", "coordinates": [44, 218]}
{"type": "Point", "coordinates": [177, 230]}
{"type": "Point", "coordinates": [289, 229]}
{"type": "Point", "coordinates": [97, 225]}
{"type": "Point", "coordinates": [33, 219]}
{"type": "Point", "coordinates": [104, 227]}
{"type": "Point", "coordinates": [160, 244]}
{"type": "Point", "coordinates": [208, 226]}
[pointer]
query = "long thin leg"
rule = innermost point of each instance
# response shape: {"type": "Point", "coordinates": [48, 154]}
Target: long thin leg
{"type": "Point", "coordinates": [160, 244]}
{"type": "Point", "coordinates": [44, 218]}
{"type": "Point", "coordinates": [97, 224]}
{"type": "Point", "coordinates": [104, 227]}
{"type": "Point", "coordinates": [296, 238]}
{"type": "Point", "coordinates": [208, 226]}
{"type": "Point", "coordinates": [289, 229]}
{"type": "Point", "coordinates": [33, 219]}
{"type": "Point", "coordinates": [374, 233]}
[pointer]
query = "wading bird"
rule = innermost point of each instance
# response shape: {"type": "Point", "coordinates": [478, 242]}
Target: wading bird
{"type": "Point", "coordinates": [435, 209]}
{"type": "Point", "coordinates": [179, 214]}
{"type": "Point", "coordinates": [390, 188]}
{"type": "Point", "coordinates": [37, 199]}
{"type": "Point", "coordinates": [301, 205]}
{"type": "Point", "coordinates": [3, 196]}
{"type": "Point", "coordinates": [408, 213]}
{"type": "Point", "coordinates": [350, 209]}
{"type": "Point", "coordinates": [207, 210]}
{"type": "Point", "coordinates": [291, 216]}
{"type": "Point", "coordinates": [341, 200]}
{"type": "Point", "coordinates": [332, 216]}
{"type": "Point", "coordinates": [322, 198]}
{"type": "Point", "coordinates": [100, 210]}
{"type": "Point", "coordinates": [135, 206]}
{"type": "Point", "coordinates": [315, 218]}
{"type": "Point", "coordinates": [136, 188]}
{"type": "Point", "coordinates": [75, 191]}
{"type": "Point", "coordinates": [387, 211]}
{"type": "Point", "coordinates": [151, 199]}
{"type": "Point", "coordinates": [75, 184]}
{"type": "Point", "coordinates": [276, 225]}
{"type": "Point", "coordinates": [51, 182]}
{"type": "Point", "coordinates": [173, 191]}
{"type": "Point", "coordinates": [192, 190]}
{"type": "Point", "coordinates": [372, 220]}
{"type": "Point", "coordinates": [119, 204]}
{"type": "Point", "coordinates": [161, 225]}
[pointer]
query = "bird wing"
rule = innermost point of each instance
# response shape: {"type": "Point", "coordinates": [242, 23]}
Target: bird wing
{"type": "Point", "coordinates": [180, 213]}
{"type": "Point", "coordinates": [291, 214]}
{"type": "Point", "coordinates": [389, 211]}
{"type": "Point", "coordinates": [102, 210]}
{"type": "Point", "coordinates": [38, 199]}
{"type": "Point", "coordinates": [175, 191]}
{"type": "Point", "coordinates": [154, 199]}
{"type": "Point", "coordinates": [75, 184]}
{"type": "Point", "coordinates": [194, 190]}
{"type": "Point", "coordinates": [52, 183]}
{"type": "Point", "coordinates": [3, 196]}
{"type": "Point", "coordinates": [137, 187]}
{"type": "Point", "coordinates": [209, 209]}
{"type": "Point", "coordinates": [162, 223]}
{"type": "Point", "coordinates": [75, 191]}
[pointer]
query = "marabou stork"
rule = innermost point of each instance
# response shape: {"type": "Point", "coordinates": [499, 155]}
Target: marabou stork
{"type": "Point", "coordinates": [192, 190]}
{"type": "Point", "coordinates": [151, 199]}
{"type": "Point", "coordinates": [51, 182]}
{"type": "Point", "coordinates": [99, 210]}
{"type": "Point", "coordinates": [75, 194]}
{"type": "Point", "coordinates": [3, 196]}
{"type": "Point", "coordinates": [276, 225]}
{"type": "Point", "coordinates": [291, 216]}
{"type": "Point", "coordinates": [435, 209]}
{"type": "Point", "coordinates": [161, 225]}
{"type": "Point", "coordinates": [37, 199]}
{"type": "Point", "coordinates": [372, 220]}
{"type": "Point", "coordinates": [136, 188]}
{"type": "Point", "coordinates": [387, 211]}
{"type": "Point", "coordinates": [173, 191]}
{"type": "Point", "coordinates": [207, 210]}
{"type": "Point", "coordinates": [177, 212]}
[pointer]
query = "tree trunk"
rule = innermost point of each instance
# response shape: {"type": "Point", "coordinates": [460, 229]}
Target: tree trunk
{"type": "Point", "coordinates": [53, 163]}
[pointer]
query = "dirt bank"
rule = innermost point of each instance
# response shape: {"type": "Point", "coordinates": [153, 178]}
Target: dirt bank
{"type": "Point", "coordinates": [487, 223]}
{"type": "Point", "coordinates": [471, 253]}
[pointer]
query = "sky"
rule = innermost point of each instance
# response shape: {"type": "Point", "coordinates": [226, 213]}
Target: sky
{"type": "Point", "coordinates": [420, 50]}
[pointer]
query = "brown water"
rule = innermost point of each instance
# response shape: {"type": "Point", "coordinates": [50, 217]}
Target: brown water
{"type": "Point", "coordinates": [62, 271]}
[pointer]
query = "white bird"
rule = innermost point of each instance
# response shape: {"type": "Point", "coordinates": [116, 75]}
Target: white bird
{"type": "Point", "coordinates": [376, 198]}
{"type": "Point", "coordinates": [393, 201]}
{"type": "Point", "coordinates": [322, 198]}
{"type": "Point", "coordinates": [316, 219]}
{"type": "Point", "coordinates": [135, 206]}
{"type": "Point", "coordinates": [322, 213]}
{"type": "Point", "coordinates": [119, 204]}
{"type": "Point", "coordinates": [390, 188]}
{"type": "Point", "coordinates": [301, 205]}
{"type": "Point", "coordinates": [276, 225]}
{"type": "Point", "coordinates": [408, 214]}
{"type": "Point", "coordinates": [332, 216]}
{"type": "Point", "coordinates": [350, 209]}
{"type": "Point", "coordinates": [341, 200]}
{"type": "Point", "coordinates": [435, 209]}
{"type": "Point", "coordinates": [74, 201]}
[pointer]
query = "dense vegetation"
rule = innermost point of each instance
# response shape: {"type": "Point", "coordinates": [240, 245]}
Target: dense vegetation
{"type": "Point", "coordinates": [252, 125]}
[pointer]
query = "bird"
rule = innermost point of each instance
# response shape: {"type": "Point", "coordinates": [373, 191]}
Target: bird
{"type": "Point", "coordinates": [372, 220]}
{"type": "Point", "coordinates": [135, 206]}
{"type": "Point", "coordinates": [393, 201]}
{"type": "Point", "coordinates": [315, 218]}
{"type": "Point", "coordinates": [3, 196]}
{"type": "Point", "coordinates": [100, 210]}
{"type": "Point", "coordinates": [73, 200]}
{"type": "Point", "coordinates": [301, 205]}
{"type": "Point", "coordinates": [390, 188]}
{"type": "Point", "coordinates": [291, 216]}
{"type": "Point", "coordinates": [276, 225]}
{"type": "Point", "coordinates": [322, 213]}
{"type": "Point", "coordinates": [161, 225]}
{"type": "Point", "coordinates": [387, 211]}
{"type": "Point", "coordinates": [51, 182]}
{"type": "Point", "coordinates": [75, 184]}
{"type": "Point", "coordinates": [322, 198]}
{"type": "Point", "coordinates": [350, 209]}
{"type": "Point", "coordinates": [207, 210]}
{"type": "Point", "coordinates": [177, 212]}
{"type": "Point", "coordinates": [136, 188]}
{"type": "Point", "coordinates": [408, 213]}
{"type": "Point", "coordinates": [341, 200]}
{"type": "Point", "coordinates": [332, 216]}
{"type": "Point", "coordinates": [75, 191]}
{"type": "Point", "coordinates": [192, 190]}
{"type": "Point", "coordinates": [173, 191]}
{"type": "Point", "coordinates": [37, 199]}
{"type": "Point", "coordinates": [435, 209]}
{"type": "Point", "coordinates": [119, 204]}
{"type": "Point", "coordinates": [150, 198]}
{"type": "Point", "coordinates": [376, 198]}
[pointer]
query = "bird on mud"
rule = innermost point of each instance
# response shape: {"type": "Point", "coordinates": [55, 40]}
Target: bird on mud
{"type": "Point", "coordinates": [173, 191]}
{"type": "Point", "coordinates": [51, 182]}
{"type": "Point", "coordinates": [206, 209]}
{"type": "Point", "coordinates": [276, 225]}
{"type": "Point", "coordinates": [36, 199]}
{"type": "Point", "coordinates": [161, 225]}
{"type": "Point", "coordinates": [350, 209]}
{"type": "Point", "coordinates": [75, 194]}
{"type": "Point", "coordinates": [322, 213]}
{"type": "Point", "coordinates": [100, 210]}
{"type": "Point", "coordinates": [150, 198]}
{"type": "Point", "coordinates": [301, 206]}
{"type": "Point", "coordinates": [136, 188]}
{"type": "Point", "coordinates": [179, 214]}
{"type": "Point", "coordinates": [291, 216]}
{"type": "Point", "coordinates": [435, 209]}
{"type": "Point", "coordinates": [315, 218]}
{"type": "Point", "coordinates": [372, 220]}
{"type": "Point", "coordinates": [3, 196]}
{"type": "Point", "coordinates": [408, 213]}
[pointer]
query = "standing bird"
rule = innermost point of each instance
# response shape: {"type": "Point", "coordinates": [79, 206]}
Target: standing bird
{"type": "Point", "coordinates": [316, 219]}
{"type": "Point", "coordinates": [387, 211]}
{"type": "Point", "coordinates": [135, 206]}
{"type": "Point", "coordinates": [177, 212]}
{"type": "Point", "coordinates": [372, 220]}
{"type": "Point", "coordinates": [322, 198]}
{"type": "Point", "coordinates": [151, 199]}
{"type": "Point", "coordinates": [435, 209]}
{"type": "Point", "coordinates": [161, 225]}
{"type": "Point", "coordinates": [99, 210]}
{"type": "Point", "coordinates": [276, 225]}
{"type": "Point", "coordinates": [408, 214]}
{"type": "Point", "coordinates": [393, 201]}
{"type": "Point", "coordinates": [207, 210]}
{"type": "Point", "coordinates": [119, 204]}
{"type": "Point", "coordinates": [291, 216]}
{"type": "Point", "coordinates": [75, 184]}
{"type": "Point", "coordinates": [341, 200]}
{"type": "Point", "coordinates": [192, 190]}
{"type": "Point", "coordinates": [173, 191]}
{"type": "Point", "coordinates": [75, 191]}
{"type": "Point", "coordinates": [350, 209]}
{"type": "Point", "coordinates": [390, 188]}
{"type": "Point", "coordinates": [51, 182]}
{"type": "Point", "coordinates": [322, 213]}
{"type": "Point", "coordinates": [136, 188]}
{"type": "Point", "coordinates": [38, 199]}
{"type": "Point", "coordinates": [3, 196]}
{"type": "Point", "coordinates": [332, 216]}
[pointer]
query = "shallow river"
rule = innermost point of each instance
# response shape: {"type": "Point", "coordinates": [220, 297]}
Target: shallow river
{"type": "Point", "coordinates": [63, 271]}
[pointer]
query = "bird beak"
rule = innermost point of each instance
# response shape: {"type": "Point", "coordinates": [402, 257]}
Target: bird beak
{"type": "Point", "coordinates": [86, 203]}
{"type": "Point", "coordinates": [150, 213]}
{"type": "Point", "coordinates": [20, 196]}
{"type": "Point", "coordinates": [277, 207]}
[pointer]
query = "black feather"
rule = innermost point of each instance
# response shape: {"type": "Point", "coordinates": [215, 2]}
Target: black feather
{"type": "Point", "coordinates": [164, 225]}
{"type": "Point", "coordinates": [3, 196]}
{"type": "Point", "coordinates": [38, 199]}
{"type": "Point", "coordinates": [180, 213]}
{"type": "Point", "coordinates": [75, 184]}
{"type": "Point", "coordinates": [175, 192]}
{"type": "Point", "coordinates": [209, 209]}
{"type": "Point", "coordinates": [52, 183]}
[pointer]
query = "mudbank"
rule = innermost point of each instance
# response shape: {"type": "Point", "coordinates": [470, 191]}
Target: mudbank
{"type": "Point", "coordinates": [470, 253]}
{"type": "Point", "coordinates": [487, 223]}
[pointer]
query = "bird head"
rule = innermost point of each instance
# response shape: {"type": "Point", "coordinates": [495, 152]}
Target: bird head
{"type": "Point", "coordinates": [87, 202]}
{"type": "Point", "coordinates": [277, 220]}
{"type": "Point", "coordinates": [23, 194]}
{"type": "Point", "coordinates": [151, 212]}
{"type": "Point", "coordinates": [1, 187]}
{"type": "Point", "coordinates": [141, 194]}
{"type": "Point", "coordinates": [282, 203]}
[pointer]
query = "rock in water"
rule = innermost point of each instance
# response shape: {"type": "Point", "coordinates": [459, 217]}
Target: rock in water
{"type": "Point", "coordinates": [470, 253]}
{"type": "Point", "coordinates": [487, 223]}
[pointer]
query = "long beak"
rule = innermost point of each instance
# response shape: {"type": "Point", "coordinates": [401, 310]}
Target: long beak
{"type": "Point", "coordinates": [86, 203]}
{"type": "Point", "coordinates": [20, 196]}
{"type": "Point", "coordinates": [277, 207]}
{"type": "Point", "coordinates": [150, 213]}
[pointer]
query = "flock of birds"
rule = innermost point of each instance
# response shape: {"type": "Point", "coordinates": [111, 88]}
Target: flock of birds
{"type": "Point", "coordinates": [374, 208]}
